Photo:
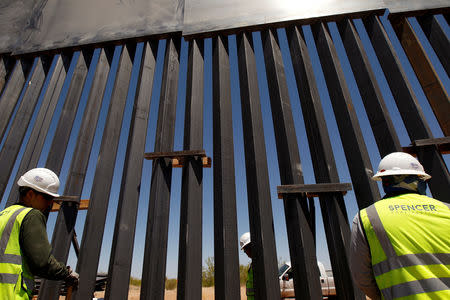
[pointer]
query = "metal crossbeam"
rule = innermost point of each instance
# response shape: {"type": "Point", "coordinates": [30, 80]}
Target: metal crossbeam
{"type": "Point", "coordinates": [313, 190]}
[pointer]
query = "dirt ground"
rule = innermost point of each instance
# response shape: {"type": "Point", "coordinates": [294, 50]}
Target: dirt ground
{"type": "Point", "coordinates": [207, 294]}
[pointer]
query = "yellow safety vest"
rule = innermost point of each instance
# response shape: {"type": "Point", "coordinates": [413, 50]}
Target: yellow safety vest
{"type": "Point", "coordinates": [16, 280]}
{"type": "Point", "coordinates": [250, 291]}
{"type": "Point", "coordinates": [409, 240]}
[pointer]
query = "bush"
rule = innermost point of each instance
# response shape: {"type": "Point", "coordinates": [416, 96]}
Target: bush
{"type": "Point", "coordinates": [208, 273]}
{"type": "Point", "coordinates": [243, 273]}
{"type": "Point", "coordinates": [171, 284]}
{"type": "Point", "coordinates": [135, 281]}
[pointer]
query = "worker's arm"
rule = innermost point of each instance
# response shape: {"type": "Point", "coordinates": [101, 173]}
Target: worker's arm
{"type": "Point", "coordinates": [37, 250]}
{"type": "Point", "coordinates": [361, 262]}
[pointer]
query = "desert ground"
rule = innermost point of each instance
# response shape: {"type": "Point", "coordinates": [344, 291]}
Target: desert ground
{"type": "Point", "coordinates": [207, 293]}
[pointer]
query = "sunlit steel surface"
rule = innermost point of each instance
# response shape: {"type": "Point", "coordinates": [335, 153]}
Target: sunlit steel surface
{"type": "Point", "coordinates": [398, 6]}
{"type": "Point", "coordinates": [14, 19]}
{"type": "Point", "coordinates": [211, 15]}
{"type": "Point", "coordinates": [38, 25]}
{"type": "Point", "coordinates": [66, 23]}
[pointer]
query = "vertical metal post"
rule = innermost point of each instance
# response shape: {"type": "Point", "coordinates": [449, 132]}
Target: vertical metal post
{"type": "Point", "coordinates": [312, 217]}
{"type": "Point", "coordinates": [358, 161]}
{"type": "Point", "coordinates": [379, 118]}
{"type": "Point", "coordinates": [11, 93]}
{"type": "Point", "coordinates": [408, 107]}
{"type": "Point", "coordinates": [437, 38]}
{"type": "Point", "coordinates": [264, 253]}
{"type": "Point", "coordinates": [225, 218]}
{"type": "Point", "coordinates": [65, 222]}
{"type": "Point", "coordinates": [62, 134]}
{"type": "Point", "coordinates": [190, 243]}
{"type": "Point", "coordinates": [37, 138]}
{"type": "Point", "coordinates": [3, 73]}
{"type": "Point", "coordinates": [98, 205]}
{"type": "Point", "coordinates": [301, 234]}
{"type": "Point", "coordinates": [426, 74]}
{"type": "Point", "coordinates": [332, 205]}
{"type": "Point", "coordinates": [125, 228]}
{"type": "Point", "coordinates": [6, 65]}
{"type": "Point", "coordinates": [22, 119]}
{"type": "Point", "coordinates": [154, 268]}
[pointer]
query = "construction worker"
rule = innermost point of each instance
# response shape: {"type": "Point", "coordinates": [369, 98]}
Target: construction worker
{"type": "Point", "coordinates": [246, 246]}
{"type": "Point", "coordinates": [400, 246]}
{"type": "Point", "coordinates": [24, 248]}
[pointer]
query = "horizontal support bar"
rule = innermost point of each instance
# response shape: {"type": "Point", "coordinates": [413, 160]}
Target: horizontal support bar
{"type": "Point", "coordinates": [84, 204]}
{"type": "Point", "coordinates": [178, 163]}
{"type": "Point", "coordinates": [313, 190]}
{"type": "Point", "coordinates": [443, 145]}
{"type": "Point", "coordinates": [64, 198]}
{"type": "Point", "coordinates": [179, 157]}
{"type": "Point", "coordinates": [175, 154]}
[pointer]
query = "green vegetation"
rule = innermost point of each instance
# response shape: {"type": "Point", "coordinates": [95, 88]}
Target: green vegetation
{"type": "Point", "coordinates": [207, 276]}
{"type": "Point", "coordinates": [243, 273]}
{"type": "Point", "coordinates": [135, 281]}
{"type": "Point", "coordinates": [208, 273]}
{"type": "Point", "coordinates": [171, 284]}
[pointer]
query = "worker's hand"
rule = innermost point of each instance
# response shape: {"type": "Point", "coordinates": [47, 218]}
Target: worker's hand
{"type": "Point", "coordinates": [72, 278]}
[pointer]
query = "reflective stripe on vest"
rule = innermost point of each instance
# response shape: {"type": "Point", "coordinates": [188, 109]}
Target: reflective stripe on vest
{"type": "Point", "coordinates": [28, 282]}
{"type": "Point", "coordinates": [13, 259]}
{"type": "Point", "coordinates": [9, 278]}
{"type": "Point", "coordinates": [250, 291]}
{"type": "Point", "coordinates": [9, 258]}
{"type": "Point", "coordinates": [397, 262]}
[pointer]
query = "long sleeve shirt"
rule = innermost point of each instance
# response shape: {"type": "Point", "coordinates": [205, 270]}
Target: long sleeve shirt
{"type": "Point", "coordinates": [37, 250]}
{"type": "Point", "coordinates": [361, 261]}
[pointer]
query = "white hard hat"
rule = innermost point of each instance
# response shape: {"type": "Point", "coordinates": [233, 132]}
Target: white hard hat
{"type": "Point", "coordinates": [244, 240]}
{"type": "Point", "coordinates": [42, 180]}
{"type": "Point", "coordinates": [400, 163]}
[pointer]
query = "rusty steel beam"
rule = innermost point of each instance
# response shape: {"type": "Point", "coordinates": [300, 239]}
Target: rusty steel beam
{"type": "Point", "coordinates": [12, 91]}
{"type": "Point", "coordinates": [438, 39]}
{"type": "Point", "coordinates": [125, 227]}
{"type": "Point", "coordinates": [190, 245]}
{"type": "Point", "coordinates": [155, 253]}
{"type": "Point", "coordinates": [98, 205]}
{"type": "Point", "coordinates": [65, 222]}
{"type": "Point", "coordinates": [226, 257]}
{"type": "Point", "coordinates": [258, 187]}
{"type": "Point", "coordinates": [408, 107]}
{"type": "Point", "coordinates": [369, 89]}
{"type": "Point", "coordinates": [426, 74]}
{"type": "Point", "coordinates": [6, 65]}
{"type": "Point", "coordinates": [22, 119]}
{"type": "Point", "coordinates": [357, 156]}
{"type": "Point", "coordinates": [43, 120]}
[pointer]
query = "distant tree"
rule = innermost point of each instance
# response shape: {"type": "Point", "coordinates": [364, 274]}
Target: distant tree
{"type": "Point", "coordinates": [243, 273]}
{"type": "Point", "coordinates": [171, 284]}
{"type": "Point", "coordinates": [135, 281]}
{"type": "Point", "coordinates": [208, 273]}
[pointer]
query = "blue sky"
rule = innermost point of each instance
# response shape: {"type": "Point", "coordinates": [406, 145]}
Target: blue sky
{"type": "Point", "coordinates": [243, 225]}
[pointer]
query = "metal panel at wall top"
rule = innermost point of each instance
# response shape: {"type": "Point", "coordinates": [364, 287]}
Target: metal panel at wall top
{"type": "Point", "coordinates": [206, 15]}
{"type": "Point", "coordinates": [66, 23]}
{"type": "Point", "coordinates": [14, 18]}
{"type": "Point", "coordinates": [401, 6]}
{"type": "Point", "coordinates": [39, 25]}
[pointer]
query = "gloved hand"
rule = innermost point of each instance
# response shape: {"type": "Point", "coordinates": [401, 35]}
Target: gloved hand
{"type": "Point", "coordinates": [72, 278]}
